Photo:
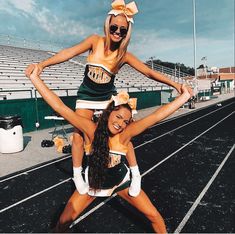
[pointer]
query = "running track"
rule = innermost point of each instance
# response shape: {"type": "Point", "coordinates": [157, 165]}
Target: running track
{"type": "Point", "coordinates": [187, 164]}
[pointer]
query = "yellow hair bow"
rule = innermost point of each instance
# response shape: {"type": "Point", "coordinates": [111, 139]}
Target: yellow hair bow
{"type": "Point", "coordinates": [129, 10]}
{"type": "Point", "coordinates": [123, 98]}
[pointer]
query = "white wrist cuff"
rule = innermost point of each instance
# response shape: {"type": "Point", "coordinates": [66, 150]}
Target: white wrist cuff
{"type": "Point", "coordinates": [135, 171]}
{"type": "Point", "coordinates": [77, 170]}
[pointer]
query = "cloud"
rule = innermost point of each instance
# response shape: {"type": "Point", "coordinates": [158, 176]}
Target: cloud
{"type": "Point", "coordinates": [218, 51]}
{"type": "Point", "coordinates": [58, 26]}
{"type": "Point", "coordinates": [46, 19]}
{"type": "Point", "coordinates": [26, 6]}
{"type": "Point", "coordinates": [158, 30]}
{"type": "Point", "coordinates": [5, 7]}
{"type": "Point", "coordinates": [18, 7]}
{"type": "Point", "coordinates": [156, 45]}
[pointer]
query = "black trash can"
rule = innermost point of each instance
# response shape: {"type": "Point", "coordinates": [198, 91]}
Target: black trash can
{"type": "Point", "coordinates": [11, 134]}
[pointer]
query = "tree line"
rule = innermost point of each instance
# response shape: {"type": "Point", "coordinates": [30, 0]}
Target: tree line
{"type": "Point", "coordinates": [183, 68]}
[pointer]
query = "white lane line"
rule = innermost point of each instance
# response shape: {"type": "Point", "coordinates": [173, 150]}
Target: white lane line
{"type": "Point", "coordinates": [105, 201]}
{"type": "Point", "coordinates": [34, 169]}
{"type": "Point", "coordinates": [146, 142]}
{"type": "Point", "coordinates": [47, 164]}
{"type": "Point", "coordinates": [191, 112]}
{"type": "Point", "coordinates": [92, 210]}
{"type": "Point", "coordinates": [187, 144]}
{"type": "Point", "coordinates": [197, 201]}
{"type": "Point", "coordinates": [34, 195]}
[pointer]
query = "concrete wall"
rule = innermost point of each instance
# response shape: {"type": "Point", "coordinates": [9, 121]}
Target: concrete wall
{"type": "Point", "coordinates": [31, 111]}
{"type": "Point", "coordinates": [34, 110]}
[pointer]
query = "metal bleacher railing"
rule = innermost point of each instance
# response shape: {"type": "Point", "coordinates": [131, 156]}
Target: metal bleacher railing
{"type": "Point", "coordinates": [176, 75]}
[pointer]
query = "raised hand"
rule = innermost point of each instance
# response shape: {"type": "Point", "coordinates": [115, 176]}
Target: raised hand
{"type": "Point", "coordinates": [31, 67]}
{"type": "Point", "coordinates": [179, 89]}
{"type": "Point", "coordinates": [186, 90]}
{"type": "Point", "coordinates": [35, 72]}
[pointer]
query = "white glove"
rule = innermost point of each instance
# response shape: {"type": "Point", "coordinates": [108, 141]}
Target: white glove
{"type": "Point", "coordinates": [81, 186]}
{"type": "Point", "coordinates": [135, 185]}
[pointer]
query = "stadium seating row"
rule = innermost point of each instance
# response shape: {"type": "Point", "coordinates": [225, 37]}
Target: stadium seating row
{"type": "Point", "coordinates": [65, 78]}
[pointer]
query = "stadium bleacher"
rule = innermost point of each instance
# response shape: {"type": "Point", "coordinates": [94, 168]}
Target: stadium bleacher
{"type": "Point", "coordinates": [64, 78]}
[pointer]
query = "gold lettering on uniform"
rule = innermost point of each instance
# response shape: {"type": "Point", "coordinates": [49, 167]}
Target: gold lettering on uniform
{"type": "Point", "coordinates": [99, 72]}
{"type": "Point", "coordinates": [98, 75]}
{"type": "Point", "coordinates": [90, 72]}
{"type": "Point", "coordinates": [114, 160]}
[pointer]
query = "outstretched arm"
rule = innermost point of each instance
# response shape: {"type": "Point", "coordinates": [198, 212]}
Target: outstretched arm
{"type": "Point", "coordinates": [130, 156]}
{"type": "Point", "coordinates": [137, 127]}
{"type": "Point", "coordinates": [83, 124]}
{"type": "Point", "coordinates": [64, 55]}
{"type": "Point", "coordinates": [145, 70]}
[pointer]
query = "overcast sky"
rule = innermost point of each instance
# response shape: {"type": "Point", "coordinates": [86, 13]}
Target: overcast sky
{"type": "Point", "coordinates": [162, 28]}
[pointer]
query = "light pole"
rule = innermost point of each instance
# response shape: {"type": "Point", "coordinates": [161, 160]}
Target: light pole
{"type": "Point", "coordinates": [195, 48]}
{"type": "Point", "coordinates": [204, 59]}
{"type": "Point", "coordinates": [175, 73]}
{"type": "Point", "coordinates": [151, 58]}
{"type": "Point", "coordinates": [178, 65]}
{"type": "Point", "coordinates": [179, 70]}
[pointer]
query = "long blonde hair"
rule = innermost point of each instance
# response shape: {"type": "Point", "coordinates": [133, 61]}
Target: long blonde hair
{"type": "Point", "coordinates": [123, 45]}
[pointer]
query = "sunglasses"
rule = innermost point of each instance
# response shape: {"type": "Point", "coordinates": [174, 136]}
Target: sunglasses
{"type": "Point", "coordinates": [113, 28]}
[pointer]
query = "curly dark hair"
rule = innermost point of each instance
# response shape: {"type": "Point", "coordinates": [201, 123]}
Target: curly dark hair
{"type": "Point", "coordinates": [99, 158]}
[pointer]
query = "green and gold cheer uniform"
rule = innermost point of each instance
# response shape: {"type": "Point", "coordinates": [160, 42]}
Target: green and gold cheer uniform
{"type": "Point", "coordinates": [117, 175]}
{"type": "Point", "coordinates": [98, 84]}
